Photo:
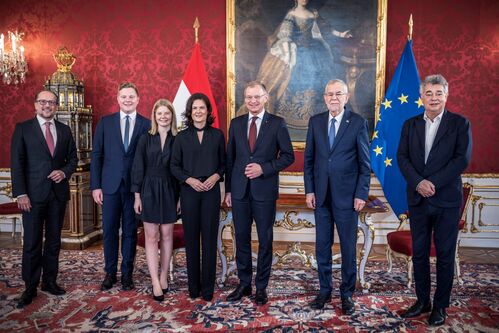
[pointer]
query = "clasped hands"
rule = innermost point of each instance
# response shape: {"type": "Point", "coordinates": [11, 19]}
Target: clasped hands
{"type": "Point", "coordinates": [200, 186]}
{"type": "Point", "coordinates": [426, 188]}
{"type": "Point", "coordinates": [253, 170]}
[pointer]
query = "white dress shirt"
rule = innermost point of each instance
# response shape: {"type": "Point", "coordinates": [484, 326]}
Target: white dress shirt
{"type": "Point", "coordinates": [431, 128]}
{"type": "Point", "coordinates": [258, 122]}
{"type": "Point", "coordinates": [133, 117]}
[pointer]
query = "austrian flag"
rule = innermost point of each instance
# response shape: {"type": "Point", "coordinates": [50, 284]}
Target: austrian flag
{"type": "Point", "coordinates": [195, 80]}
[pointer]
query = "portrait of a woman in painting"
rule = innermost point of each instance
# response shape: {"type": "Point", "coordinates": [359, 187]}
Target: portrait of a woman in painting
{"type": "Point", "coordinates": [295, 47]}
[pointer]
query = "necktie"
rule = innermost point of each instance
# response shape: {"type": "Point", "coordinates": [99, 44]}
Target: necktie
{"type": "Point", "coordinates": [332, 133]}
{"type": "Point", "coordinates": [252, 133]}
{"type": "Point", "coordinates": [49, 138]}
{"type": "Point", "coordinates": [126, 141]}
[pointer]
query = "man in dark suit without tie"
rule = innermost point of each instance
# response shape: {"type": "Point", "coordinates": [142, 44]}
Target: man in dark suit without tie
{"type": "Point", "coordinates": [259, 147]}
{"type": "Point", "coordinates": [434, 149]}
{"type": "Point", "coordinates": [337, 174]}
{"type": "Point", "coordinates": [43, 157]}
{"type": "Point", "coordinates": [114, 145]}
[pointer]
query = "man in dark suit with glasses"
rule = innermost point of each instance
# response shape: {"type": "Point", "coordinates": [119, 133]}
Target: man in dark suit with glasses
{"type": "Point", "coordinates": [43, 157]}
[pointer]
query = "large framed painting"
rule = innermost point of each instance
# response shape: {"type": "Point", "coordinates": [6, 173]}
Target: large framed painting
{"type": "Point", "coordinates": [295, 47]}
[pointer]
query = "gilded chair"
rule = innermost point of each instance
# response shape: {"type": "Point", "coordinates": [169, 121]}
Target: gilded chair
{"type": "Point", "coordinates": [10, 211]}
{"type": "Point", "coordinates": [399, 242]}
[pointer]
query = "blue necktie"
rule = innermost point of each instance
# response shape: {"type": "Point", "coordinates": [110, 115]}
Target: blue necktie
{"type": "Point", "coordinates": [332, 133]}
{"type": "Point", "coordinates": [126, 142]}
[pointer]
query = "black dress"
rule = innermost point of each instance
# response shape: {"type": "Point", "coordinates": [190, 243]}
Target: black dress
{"type": "Point", "coordinates": [151, 177]}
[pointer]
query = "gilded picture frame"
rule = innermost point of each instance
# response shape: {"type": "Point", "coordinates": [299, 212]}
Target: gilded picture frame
{"type": "Point", "coordinates": [295, 47]}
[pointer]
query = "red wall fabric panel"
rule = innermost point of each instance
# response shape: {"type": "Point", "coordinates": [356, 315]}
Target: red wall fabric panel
{"type": "Point", "coordinates": [149, 43]}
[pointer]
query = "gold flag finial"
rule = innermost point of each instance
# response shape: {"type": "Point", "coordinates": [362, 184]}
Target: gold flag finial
{"type": "Point", "coordinates": [409, 37]}
{"type": "Point", "coordinates": [196, 28]}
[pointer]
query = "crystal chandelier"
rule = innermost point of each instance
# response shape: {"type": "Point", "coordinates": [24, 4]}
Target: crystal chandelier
{"type": "Point", "coordinates": [13, 66]}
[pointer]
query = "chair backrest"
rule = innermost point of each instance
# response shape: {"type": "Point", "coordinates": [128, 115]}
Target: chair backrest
{"type": "Point", "coordinates": [6, 191]}
{"type": "Point", "coordinates": [467, 195]}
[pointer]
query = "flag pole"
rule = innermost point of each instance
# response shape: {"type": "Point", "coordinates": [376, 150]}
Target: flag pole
{"type": "Point", "coordinates": [196, 28]}
{"type": "Point", "coordinates": [409, 37]}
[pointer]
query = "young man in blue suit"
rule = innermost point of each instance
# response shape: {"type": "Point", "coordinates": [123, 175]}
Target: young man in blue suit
{"type": "Point", "coordinates": [115, 140]}
{"type": "Point", "coordinates": [337, 174]}
{"type": "Point", "coordinates": [434, 149]}
{"type": "Point", "coordinates": [259, 147]}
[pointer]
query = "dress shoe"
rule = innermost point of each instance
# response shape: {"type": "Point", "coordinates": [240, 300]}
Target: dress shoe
{"type": "Point", "coordinates": [166, 290]}
{"type": "Point", "coordinates": [127, 282]}
{"type": "Point", "coordinates": [437, 317]}
{"type": "Point", "coordinates": [208, 298]}
{"type": "Point", "coordinates": [261, 297]}
{"type": "Point", "coordinates": [347, 306]}
{"type": "Point", "coordinates": [416, 309]}
{"type": "Point", "coordinates": [238, 293]}
{"type": "Point", "coordinates": [159, 298]}
{"type": "Point", "coordinates": [52, 288]}
{"type": "Point", "coordinates": [108, 282]}
{"type": "Point", "coordinates": [26, 298]}
{"type": "Point", "coordinates": [319, 302]}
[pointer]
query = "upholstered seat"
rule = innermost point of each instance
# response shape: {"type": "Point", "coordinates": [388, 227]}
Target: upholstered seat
{"type": "Point", "coordinates": [399, 242]}
{"type": "Point", "coordinates": [10, 210]}
{"type": "Point", "coordinates": [178, 243]}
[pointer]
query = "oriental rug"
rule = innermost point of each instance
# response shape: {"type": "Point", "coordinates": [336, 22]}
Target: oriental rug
{"type": "Point", "coordinates": [84, 308]}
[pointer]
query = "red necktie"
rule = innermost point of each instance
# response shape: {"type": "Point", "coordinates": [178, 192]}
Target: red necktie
{"type": "Point", "coordinates": [252, 133]}
{"type": "Point", "coordinates": [49, 138]}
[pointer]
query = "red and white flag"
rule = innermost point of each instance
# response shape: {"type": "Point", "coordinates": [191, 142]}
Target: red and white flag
{"type": "Point", "coordinates": [195, 80]}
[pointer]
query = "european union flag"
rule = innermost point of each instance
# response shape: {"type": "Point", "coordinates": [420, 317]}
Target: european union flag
{"type": "Point", "coordinates": [401, 102]}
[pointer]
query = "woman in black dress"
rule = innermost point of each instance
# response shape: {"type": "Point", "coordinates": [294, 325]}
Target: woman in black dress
{"type": "Point", "coordinates": [198, 162]}
{"type": "Point", "coordinates": [156, 192]}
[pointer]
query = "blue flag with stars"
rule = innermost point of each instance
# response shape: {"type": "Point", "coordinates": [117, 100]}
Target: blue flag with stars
{"type": "Point", "coordinates": [401, 102]}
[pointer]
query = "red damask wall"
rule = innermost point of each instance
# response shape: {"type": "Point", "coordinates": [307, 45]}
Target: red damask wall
{"type": "Point", "coordinates": [149, 43]}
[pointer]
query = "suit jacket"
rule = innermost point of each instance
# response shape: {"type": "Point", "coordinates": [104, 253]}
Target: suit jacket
{"type": "Point", "coordinates": [110, 163]}
{"type": "Point", "coordinates": [346, 165]}
{"type": "Point", "coordinates": [449, 156]}
{"type": "Point", "coordinates": [273, 151]}
{"type": "Point", "coordinates": [31, 161]}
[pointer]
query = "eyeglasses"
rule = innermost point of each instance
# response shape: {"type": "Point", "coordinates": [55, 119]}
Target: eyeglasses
{"type": "Point", "coordinates": [45, 102]}
{"type": "Point", "coordinates": [337, 95]}
{"type": "Point", "coordinates": [249, 98]}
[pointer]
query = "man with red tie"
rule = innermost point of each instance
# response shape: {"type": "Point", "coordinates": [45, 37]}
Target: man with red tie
{"type": "Point", "coordinates": [259, 148]}
{"type": "Point", "coordinates": [43, 157]}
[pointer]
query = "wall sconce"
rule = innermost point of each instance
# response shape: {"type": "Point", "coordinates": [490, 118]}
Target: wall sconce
{"type": "Point", "coordinates": [13, 66]}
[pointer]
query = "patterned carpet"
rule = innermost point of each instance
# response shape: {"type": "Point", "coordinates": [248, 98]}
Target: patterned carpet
{"type": "Point", "coordinates": [474, 306]}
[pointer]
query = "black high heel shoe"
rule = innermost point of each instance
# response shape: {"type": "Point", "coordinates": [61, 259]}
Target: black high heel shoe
{"type": "Point", "coordinates": [166, 290]}
{"type": "Point", "coordinates": [159, 298]}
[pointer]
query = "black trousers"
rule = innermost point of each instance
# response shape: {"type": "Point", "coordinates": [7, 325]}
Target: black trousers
{"type": "Point", "coordinates": [443, 223]}
{"type": "Point", "coordinates": [200, 218]}
{"type": "Point", "coordinates": [37, 255]}
{"type": "Point", "coordinates": [263, 213]}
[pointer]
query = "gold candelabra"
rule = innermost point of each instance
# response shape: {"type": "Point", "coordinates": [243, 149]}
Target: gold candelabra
{"type": "Point", "coordinates": [13, 66]}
